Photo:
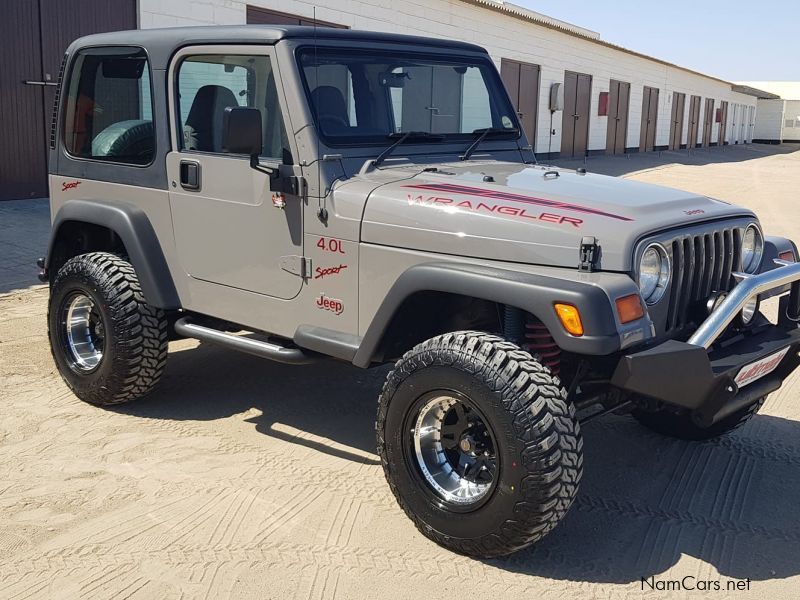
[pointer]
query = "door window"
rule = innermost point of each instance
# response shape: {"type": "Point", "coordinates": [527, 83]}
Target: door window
{"type": "Point", "coordinates": [210, 83]}
{"type": "Point", "coordinates": [109, 109]}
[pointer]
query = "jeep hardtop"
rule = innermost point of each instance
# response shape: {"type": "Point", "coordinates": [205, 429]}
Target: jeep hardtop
{"type": "Point", "coordinates": [373, 198]}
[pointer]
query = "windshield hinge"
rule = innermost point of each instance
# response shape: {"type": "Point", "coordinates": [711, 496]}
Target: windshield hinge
{"type": "Point", "coordinates": [589, 254]}
{"type": "Point", "coordinates": [295, 186]}
{"type": "Point", "coordinates": [296, 265]}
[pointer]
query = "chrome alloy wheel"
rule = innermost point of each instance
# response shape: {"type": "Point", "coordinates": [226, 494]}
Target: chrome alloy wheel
{"type": "Point", "coordinates": [455, 450]}
{"type": "Point", "coordinates": [84, 332]}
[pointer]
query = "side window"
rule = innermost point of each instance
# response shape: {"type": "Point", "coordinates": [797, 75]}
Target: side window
{"type": "Point", "coordinates": [109, 109]}
{"type": "Point", "coordinates": [210, 83]}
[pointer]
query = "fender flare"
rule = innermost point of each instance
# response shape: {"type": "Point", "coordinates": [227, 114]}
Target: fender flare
{"type": "Point", "coordinates": [534, 293]}
{"type": "Point", "coordinates": [133, 227]}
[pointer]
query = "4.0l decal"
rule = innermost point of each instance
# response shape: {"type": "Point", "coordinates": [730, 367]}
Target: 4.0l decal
{"type": "Point", "coordinates": [510, 197]}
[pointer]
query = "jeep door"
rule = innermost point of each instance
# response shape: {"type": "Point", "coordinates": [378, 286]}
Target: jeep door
{"type": "Point", "coordinates": [230, 228]}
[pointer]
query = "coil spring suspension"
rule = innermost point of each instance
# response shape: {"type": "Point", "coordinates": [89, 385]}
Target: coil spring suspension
{"type": "Point", "coordinates": [538, 341]}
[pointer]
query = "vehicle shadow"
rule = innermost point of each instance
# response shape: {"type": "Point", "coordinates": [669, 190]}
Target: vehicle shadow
{"type": "Point", "coordinates": [645, 500]}
{"type": "Point", "coordinates": [330, 399]}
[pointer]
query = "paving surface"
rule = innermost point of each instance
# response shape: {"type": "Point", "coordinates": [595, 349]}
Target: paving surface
{"type": "Point", "coordinates": [246, 479]}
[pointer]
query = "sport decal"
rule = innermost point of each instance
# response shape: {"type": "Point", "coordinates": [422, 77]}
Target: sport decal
{"type": "Point", "coordinates": [331, 304]}
{"type": "Point", "coordinates": [69, 185]}
{"type": "Point", "coordinates": [496, 195]}
{"type": "Point", "coordinates": [325, 271]}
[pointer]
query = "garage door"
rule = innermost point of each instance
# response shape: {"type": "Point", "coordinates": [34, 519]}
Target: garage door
{"type": "Point", "coordinates": [708, 122]}
{"type": "Point", "coordinates": [522, 82]}
{"type": "Point", "coordinates": [647, 134]}
{"type": "Point", "coordinates": [575, 120]}
{"type": "Point", "coordinates": [263, 16]}
{"type": "Point", "coordinates": [676, 125]}
{"type": "Point", "coordinates": [617, 130]}
{"type": "Point", "coordinates": [35, 34]}
{"type": "Point", "coordinates": [694, 121]}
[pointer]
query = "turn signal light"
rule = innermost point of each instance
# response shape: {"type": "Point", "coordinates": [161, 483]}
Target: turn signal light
{"type": "Point", "coordinates": [788, 256]}
{"type": "Point", "coordinates": [570, 319]}
{"type": "Point", "coordinates": [629, 308]}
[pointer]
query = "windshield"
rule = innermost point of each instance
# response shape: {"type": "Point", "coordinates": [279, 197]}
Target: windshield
{"type": "Point", "coordinates": [361, 98]}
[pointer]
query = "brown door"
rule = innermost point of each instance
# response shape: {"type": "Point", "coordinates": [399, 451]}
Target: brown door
{"type": "Point", "coordinates": [708, 122]}
{"type": "Point", "coordinates": [23, 151]}
{"type": "Point", "coordinates": [647, 134]}
{"type": "Point", "coordinates": [522, 82]}
{"type": "Point", "coordinates": [694, 121]}
{"type": "Point", "coordinates": [676, 120]}
{"type": "Point", "coordinates": [619, 97]}
{"type": "Point", "coordinates": [35, 36]}
{"type": "Point", "coordinates": [575, 120]}
{"type": "Point", "coordinates": [264, 16]}
{"type": "Point", "coordinates": [723, 122]}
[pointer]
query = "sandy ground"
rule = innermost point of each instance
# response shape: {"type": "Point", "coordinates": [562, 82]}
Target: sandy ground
{"type": "Point", "coordinates": [242, 478]}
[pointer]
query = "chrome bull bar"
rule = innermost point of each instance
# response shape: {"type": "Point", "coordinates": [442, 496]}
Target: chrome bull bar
{"type": "Point", "coordinates": [786, 274]}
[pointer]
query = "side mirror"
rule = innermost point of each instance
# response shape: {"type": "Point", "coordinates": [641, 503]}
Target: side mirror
{"type": "Point", "coordinates": [241, 131]}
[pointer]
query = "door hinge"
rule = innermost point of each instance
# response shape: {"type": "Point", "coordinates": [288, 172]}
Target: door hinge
{"type": "Point", "coordinates": [296, 265]}
{"type": "Point", "coordinates": [589, 254]}
{"type": "Point", "coordinates": [296, 186]}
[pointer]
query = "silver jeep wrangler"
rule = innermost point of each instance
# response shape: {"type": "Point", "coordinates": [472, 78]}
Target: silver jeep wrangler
{"type": "Point", "coordinates": [372, 198]}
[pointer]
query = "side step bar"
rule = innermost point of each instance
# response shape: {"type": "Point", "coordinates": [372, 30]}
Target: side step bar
{"type": "Point", "coordinates": [291, 356]}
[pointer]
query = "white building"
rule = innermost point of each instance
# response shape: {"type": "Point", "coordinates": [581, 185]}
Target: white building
{"type": "Point", "coordinates": [778, 111]}
{"type": "Point", "coordinates": [600, 81]}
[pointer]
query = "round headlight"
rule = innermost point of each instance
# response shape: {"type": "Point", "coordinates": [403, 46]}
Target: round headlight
{"type": "Point", "coordinates": [654, 273]}
{"type": "Point", "coordinates": [749, 311]}
{"type": "Point", "coordinates": [752, 248]}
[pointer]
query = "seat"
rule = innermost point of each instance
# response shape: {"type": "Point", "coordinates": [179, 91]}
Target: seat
{"type": "Point", "coordinates": [203, 127]}
{"type": "Point", "coordinates": [331, 109]}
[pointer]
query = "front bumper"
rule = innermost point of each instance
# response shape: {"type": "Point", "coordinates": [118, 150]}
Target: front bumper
{"type": "Point", "coordinates": [699, 376]}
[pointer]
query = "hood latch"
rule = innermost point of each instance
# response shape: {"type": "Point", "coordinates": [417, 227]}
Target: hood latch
{"type": "Point", "coordinates": [589, 253]}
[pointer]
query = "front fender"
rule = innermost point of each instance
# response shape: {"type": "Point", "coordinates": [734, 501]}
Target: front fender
{"type": "Point", "coordinates": [593, 294]}
{"type": "Point", "coordinates": [137, 234]}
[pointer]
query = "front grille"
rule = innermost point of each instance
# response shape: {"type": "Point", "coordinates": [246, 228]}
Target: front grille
{"type": "Point", "coordinates": [701, 264]}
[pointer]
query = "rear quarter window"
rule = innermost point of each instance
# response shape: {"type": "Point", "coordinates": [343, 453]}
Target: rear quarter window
{"type": "Point", "coordinates": [109, 107]}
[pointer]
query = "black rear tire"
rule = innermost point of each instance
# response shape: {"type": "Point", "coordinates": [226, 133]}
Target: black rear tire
{"type": "Point", "coordinates": [535, 437]}
{"type": "Point", "coordinates": [682, 427]}
{"type": "Point", "coordinates": [127, 337]}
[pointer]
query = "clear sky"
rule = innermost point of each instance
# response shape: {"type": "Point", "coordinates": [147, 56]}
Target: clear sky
{"type": "Point", "coordinates": [736, 40]}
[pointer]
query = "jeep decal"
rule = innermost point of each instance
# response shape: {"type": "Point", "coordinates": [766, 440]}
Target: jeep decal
{"type": "Point", "coordinates": [332, 304]}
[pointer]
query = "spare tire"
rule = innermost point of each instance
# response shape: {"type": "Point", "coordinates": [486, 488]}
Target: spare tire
{"type": "Point", "coordinates": [133, 139]}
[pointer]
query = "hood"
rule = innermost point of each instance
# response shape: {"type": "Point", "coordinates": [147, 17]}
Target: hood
{"type": "Point", "coordinates": [525, 213]}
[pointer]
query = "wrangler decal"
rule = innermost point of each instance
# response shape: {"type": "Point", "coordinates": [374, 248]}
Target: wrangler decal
{"type": "Point", "coordinates": [497, 195]}
{"type": "Point", "coordinates": [512, 211]}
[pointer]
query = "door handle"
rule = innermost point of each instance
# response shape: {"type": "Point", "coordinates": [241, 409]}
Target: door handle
{"type": "Point", "coordinates": [190, 175]}
{"type": "Point", "coordinates": [53, 83]}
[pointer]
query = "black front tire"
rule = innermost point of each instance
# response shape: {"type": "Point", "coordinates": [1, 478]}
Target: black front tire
{"type": "Point", "coordinates": [132, 335]}
{"type": "Point", "coordinates": [682, 427]}
{"type": "Point", "coordinates": [537, 439]}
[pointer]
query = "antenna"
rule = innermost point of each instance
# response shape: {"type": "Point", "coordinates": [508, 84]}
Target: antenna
{"type": "Point", "coordinates": [322, 211]}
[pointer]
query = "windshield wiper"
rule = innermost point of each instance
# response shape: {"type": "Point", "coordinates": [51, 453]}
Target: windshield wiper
{"type": "Point", "coordinates": [484, 133]}
{"type": "Point", "coordinates": [401, 138]}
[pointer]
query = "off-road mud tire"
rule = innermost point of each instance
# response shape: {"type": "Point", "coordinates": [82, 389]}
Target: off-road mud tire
{"type": "Point", "coordinates": [539, 441]}
{"type": "Point", "coordinates": [135, 347]}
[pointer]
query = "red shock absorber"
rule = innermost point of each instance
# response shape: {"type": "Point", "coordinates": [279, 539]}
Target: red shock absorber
{"type": "Point", "coordinates": [538, 341]}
